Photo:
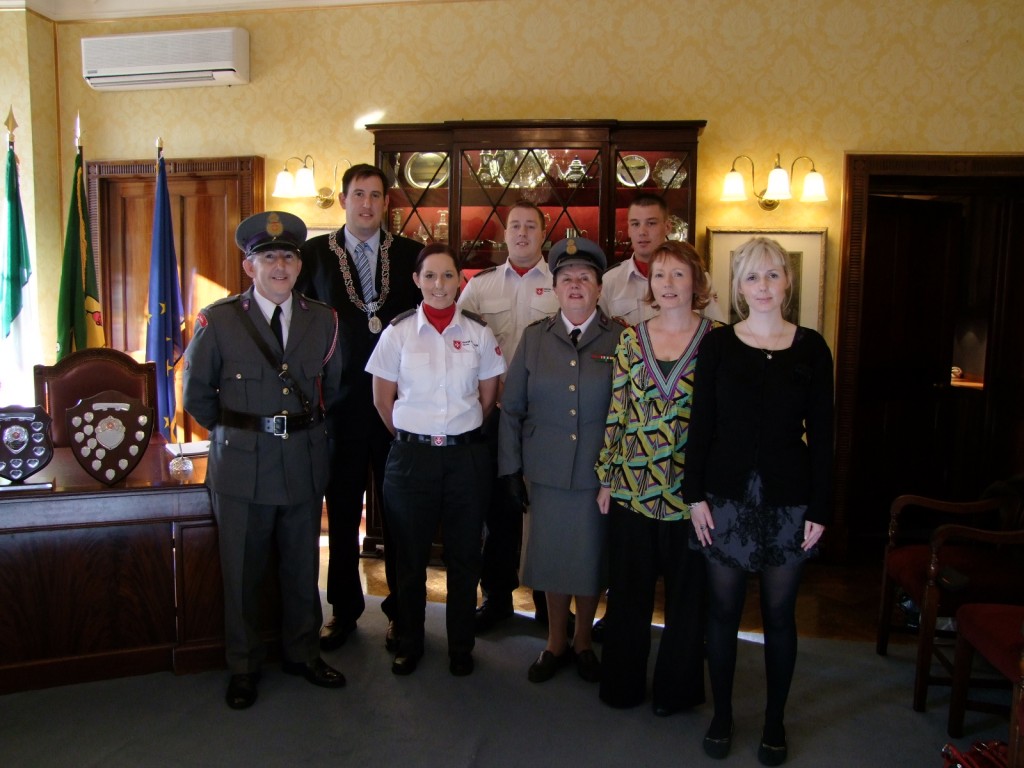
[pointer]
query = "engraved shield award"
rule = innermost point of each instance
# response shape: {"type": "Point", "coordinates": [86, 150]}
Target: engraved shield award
{"type": "Point", "coordinates": [109, 433]}
{"type": "Point", "coordinates": [25, 445]}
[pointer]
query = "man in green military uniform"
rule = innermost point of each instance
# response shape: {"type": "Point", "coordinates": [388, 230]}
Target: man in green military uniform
{"type": "Point", "coordinates": [259, 372]}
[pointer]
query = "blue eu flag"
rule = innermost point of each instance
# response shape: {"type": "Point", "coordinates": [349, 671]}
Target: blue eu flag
{"type": "Point", "coordinates": [165, 316]}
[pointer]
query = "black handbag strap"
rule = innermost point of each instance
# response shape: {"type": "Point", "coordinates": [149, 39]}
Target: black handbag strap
{"type": "Point", "coordinates": [275, 362]}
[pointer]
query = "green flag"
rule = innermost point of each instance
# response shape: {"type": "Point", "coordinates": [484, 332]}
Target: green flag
{"type": "Point", "coordinates": [79, 321]}
{"type": "Point", "coordinates": [16, 268]}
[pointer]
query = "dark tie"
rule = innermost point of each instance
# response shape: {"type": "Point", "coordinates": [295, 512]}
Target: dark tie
{"type": "Point", "coordinates": [275, 326]}
{"type": "Point", "coordinates": [574, 334]}
{"type": "Point", "coordinates": [362, 259]}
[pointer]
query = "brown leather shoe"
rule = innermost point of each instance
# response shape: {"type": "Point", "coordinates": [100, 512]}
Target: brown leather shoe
{"type": "Point", "coordinates": [546, 665]}
{"type": "Point", "coordinates": [317, 672]}
{"type": "Point", "coordinates": [390, 638]}
{"type": "Point", "coordinates": [588, 666]}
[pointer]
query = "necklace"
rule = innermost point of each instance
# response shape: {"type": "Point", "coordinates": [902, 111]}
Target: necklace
{"type": "Point", "coordinates": [371, 309]}
{"type": "Point", "coordinates": [764, 347]}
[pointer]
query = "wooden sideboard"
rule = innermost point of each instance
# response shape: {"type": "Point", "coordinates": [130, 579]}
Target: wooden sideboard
{"type": "Point", "coordinates": [99, 582]}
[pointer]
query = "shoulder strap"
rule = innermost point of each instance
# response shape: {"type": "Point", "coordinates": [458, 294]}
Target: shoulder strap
{"type": "Point", "coordinates": [282, 370]}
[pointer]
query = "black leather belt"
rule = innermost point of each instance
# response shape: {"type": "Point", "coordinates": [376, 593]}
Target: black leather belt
{"type": "Point", "coordinates": [280, 424]}
{"type": "Point", "coordinates": [441, 441]}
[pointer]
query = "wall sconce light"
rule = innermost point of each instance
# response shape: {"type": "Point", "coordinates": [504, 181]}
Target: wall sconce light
{"type": "Point", "coordinates": [299, 185]}
{"type": "Point", "coordinates": [734, 190]}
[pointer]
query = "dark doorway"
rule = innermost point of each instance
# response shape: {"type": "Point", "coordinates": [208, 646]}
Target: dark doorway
{"type": "Point", "coordinates": [930, 354]}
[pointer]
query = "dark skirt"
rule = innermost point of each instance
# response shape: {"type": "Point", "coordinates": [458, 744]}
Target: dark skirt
{"type": "Point", "coordinates": [752, 535]}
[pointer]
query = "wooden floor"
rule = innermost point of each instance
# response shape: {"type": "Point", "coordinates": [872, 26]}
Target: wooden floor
{"type": "Point", "coordinates": [835, 602]}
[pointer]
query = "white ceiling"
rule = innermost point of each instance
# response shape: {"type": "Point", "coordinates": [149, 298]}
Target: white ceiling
{"type": "Point", "coordinates": [87, 10]}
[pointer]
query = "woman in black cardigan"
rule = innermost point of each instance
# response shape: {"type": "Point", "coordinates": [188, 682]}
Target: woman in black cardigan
{"type": "Point", "coordinates": [759, 493]}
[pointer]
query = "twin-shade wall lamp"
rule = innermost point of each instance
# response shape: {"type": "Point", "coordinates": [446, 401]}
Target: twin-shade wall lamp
{"type": "Point", "coordinates": [734, 188]}
{"type": "Point", "coordinates": [303, 183]}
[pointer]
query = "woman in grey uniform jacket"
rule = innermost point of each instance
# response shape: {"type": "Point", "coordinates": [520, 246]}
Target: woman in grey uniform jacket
{"type": "Point", "coordinates": [553, 411]}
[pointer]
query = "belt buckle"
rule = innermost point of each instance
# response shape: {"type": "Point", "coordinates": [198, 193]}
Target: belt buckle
{"type": "Point", "coordinates": [280, 425]}
{"type": "Point", "coordinates": [438, 441]}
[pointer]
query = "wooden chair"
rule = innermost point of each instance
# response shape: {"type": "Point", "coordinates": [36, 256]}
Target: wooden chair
{"type": "Point", "coordinates": [997, 633]}
{"type": "Point", "coordinates": [85, 373]}
{"type": "Point", "coordinates": [959, 564]}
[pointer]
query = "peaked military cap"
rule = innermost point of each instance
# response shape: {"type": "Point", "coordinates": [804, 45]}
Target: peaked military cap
{"type": "Point", "coordinates": [271, 231]}
{"type": "Point", "coordinates": [577, 251]}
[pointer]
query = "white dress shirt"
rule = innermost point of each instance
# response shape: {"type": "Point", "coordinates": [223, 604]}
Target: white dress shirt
{"type": "Point", "coordinates": [267, 308]}
{"type": "Point", "coordinates": [438, 374]}
{"type": "Point", "coordinates": [509, 302]}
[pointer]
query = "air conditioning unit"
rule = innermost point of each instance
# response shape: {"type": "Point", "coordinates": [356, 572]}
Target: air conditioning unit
{"type": "Point", "coordinates": [166, 59]}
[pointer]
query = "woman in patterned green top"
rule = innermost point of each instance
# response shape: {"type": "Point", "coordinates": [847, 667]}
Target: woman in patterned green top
{"type": "Point", "coordinates": [641, 470]}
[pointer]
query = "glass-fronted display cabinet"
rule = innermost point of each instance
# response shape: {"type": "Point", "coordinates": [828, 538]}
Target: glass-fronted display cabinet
{"type": "Point", "coordinates": [455, 181]}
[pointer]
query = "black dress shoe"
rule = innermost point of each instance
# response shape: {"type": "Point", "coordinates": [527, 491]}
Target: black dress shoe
{"type": "Point", "coordinates": [460, 664]}
{"type": "Point", "coordinates": [588, 666]}
{"type": "Point", "coordinates": [242, 690]}
{"type": "Point", "coordinates": [546, 665]}
{"type": "Point", "coordinates": [717, 745]}
{"type": "Point", "coordinates": [335, 633]}
{"type": "Point", "coordinates": [773, 749]}
{"type": "Point", "coordinates": [317, 672]}
{"type": "Point", "coordinates": [405, 664]}
{"type": "Point", "coordinates": [390, 638]}
{"type": "Point", "coordinates": [492, 613]}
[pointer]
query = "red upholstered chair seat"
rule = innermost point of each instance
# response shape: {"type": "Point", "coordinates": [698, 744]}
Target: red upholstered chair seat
{"type": "Point", "coordinates": [995, 632]}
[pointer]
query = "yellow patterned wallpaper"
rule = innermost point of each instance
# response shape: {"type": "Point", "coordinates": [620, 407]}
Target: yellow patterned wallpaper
{"type": "Point", "coordinates": [798, 77]}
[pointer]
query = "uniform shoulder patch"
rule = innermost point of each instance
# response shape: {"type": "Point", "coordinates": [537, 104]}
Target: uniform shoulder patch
{"type": "Point", "coordinates": [227, 300]}
{"type": "Point", "coordinates": [401, 317]}
{"type": "Point", "coordinates": [616, 265]}
{"type": "Point", "coordinates": [484, 272]}
{"type": "Point", "coordinates": [474, 316]}
{"type": "Point", "coordinates": [315, 302]}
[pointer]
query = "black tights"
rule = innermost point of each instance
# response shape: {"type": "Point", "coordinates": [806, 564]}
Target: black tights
{"type": "Point", "coordinates": [728, 591]}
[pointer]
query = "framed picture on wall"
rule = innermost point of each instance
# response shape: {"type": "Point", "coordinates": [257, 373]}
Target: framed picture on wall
{"type": "Point", "coordinates": [806, 248]}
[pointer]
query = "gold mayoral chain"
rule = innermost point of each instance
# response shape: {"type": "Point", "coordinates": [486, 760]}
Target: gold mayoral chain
{"type": "Point", "coordinates": [371, 309]}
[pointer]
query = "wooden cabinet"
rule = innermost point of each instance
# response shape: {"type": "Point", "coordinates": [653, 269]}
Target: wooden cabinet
{"type": "Point", "coordinates": [455, 181]}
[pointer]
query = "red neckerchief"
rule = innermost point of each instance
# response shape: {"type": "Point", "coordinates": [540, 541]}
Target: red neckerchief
{"type": "Point", "coordinates": [520, 270]}
{"type": "Point", "coordinates": [643, 267]}
{"type": "Point", "coordinates": [439, 318]}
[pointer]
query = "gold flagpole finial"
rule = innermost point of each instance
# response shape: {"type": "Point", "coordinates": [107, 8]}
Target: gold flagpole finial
{"type": "Point", "coordinates": [78, 130]}
{"type": "Point", "coordinates": [11, 124]}
{"type": "Point", "coordinates": [159, 146]}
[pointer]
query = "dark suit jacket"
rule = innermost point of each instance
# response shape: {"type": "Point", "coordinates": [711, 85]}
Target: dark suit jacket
{"type": "Point", "coordinates": [225, 368]}
{"type": "Point", "coordinates": [321, 279]}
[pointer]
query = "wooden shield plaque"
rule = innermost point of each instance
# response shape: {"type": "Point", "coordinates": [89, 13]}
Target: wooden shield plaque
{"type": "Point", "coordinates": [25, 445]}
{"type": "Point", "coordinates": [109, 432]}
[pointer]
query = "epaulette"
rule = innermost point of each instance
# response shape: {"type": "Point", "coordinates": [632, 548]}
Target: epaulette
{"type": "Point", "coordinates": [484, 272]}
{"type": "Point", "coordinates": [401, 317]}
{"type": "Point", "coordinates": [308, 300]}
{"type": "Point", "coordinates": [474, 316]}
{"type": "Point", "coordinates": [616, 265]}
{"type": "Point", "coordinates": [226, 300]}
{"type": "Point", "coordinates": [538, 322]}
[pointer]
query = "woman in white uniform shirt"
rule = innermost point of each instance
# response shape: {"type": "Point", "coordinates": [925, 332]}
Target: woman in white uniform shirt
{"type": "Point", "coordinates": [435, 379]}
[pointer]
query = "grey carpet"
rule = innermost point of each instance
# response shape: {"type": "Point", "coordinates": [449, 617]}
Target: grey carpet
{"type": "Point", "coordinates": [848, 707]}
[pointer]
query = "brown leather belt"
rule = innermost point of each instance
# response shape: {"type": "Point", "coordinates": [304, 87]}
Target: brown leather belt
{"type": "Point", "coordinates": [440, 441]}
{"type": "Point", "coordinates": [279, 425]}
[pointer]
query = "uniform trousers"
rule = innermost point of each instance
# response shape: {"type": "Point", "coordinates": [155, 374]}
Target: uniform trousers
{"type": "Point", "coordinates": [425, 486]}
{"type": "Point", "coordinates": [641, 549]}
{"type": "Point", "coordinates": [503, 521]}
{"type": "Point", "coordinates": [246, 534]}
{"type": "Point", "coordinates": [355, 457]}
